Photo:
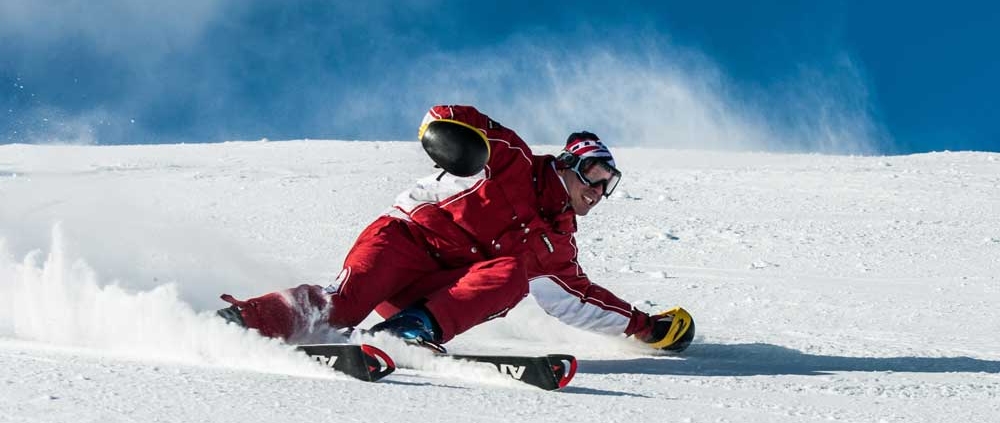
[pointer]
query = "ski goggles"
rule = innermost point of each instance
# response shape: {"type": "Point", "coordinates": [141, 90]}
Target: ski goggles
{"type": "Point", "coordinates": [595, 172]}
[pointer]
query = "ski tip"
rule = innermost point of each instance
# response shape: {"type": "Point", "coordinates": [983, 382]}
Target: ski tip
{"type": "Point", "coordinates": [379, 363]}
{"type": "Point", "coordinates": [563, 368]}
{"type": "Point", "coordinates": [360, 361]}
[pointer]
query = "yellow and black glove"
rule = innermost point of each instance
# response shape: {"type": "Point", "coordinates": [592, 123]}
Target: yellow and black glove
{"type": "Point", "coordinates": [671, 330]}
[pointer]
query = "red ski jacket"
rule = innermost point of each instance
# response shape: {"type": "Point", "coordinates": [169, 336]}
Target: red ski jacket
{"type": "Point", "coordinates": [518, 206]}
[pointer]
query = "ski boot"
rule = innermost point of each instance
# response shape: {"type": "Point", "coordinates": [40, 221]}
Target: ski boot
{"type": "Point", "coordinates": [232, 314]}
{"type": "Point", "coordinates": [415, 326]}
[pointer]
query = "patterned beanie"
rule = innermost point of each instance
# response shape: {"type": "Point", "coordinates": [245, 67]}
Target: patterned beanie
{"type": "Point", "coordinates": [586, 144]}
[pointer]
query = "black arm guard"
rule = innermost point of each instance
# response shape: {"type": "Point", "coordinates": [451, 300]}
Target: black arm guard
{"type": "Point", "coordinates": [456, 147]}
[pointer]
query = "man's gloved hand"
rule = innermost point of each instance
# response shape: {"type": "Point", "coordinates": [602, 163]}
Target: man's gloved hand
{"type": "Point", "coordinates": [671, 330]}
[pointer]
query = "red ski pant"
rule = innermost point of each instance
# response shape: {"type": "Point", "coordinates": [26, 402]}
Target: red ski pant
{"type": "Point", "coordinates": [390, 268]}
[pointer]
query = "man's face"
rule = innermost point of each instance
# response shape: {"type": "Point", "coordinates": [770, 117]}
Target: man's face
{"type": "Point", "coordinates": [583, 197]}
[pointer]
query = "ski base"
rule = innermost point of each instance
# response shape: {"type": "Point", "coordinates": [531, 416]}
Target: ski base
{"type": "Point", "coordinates": [360, 361]}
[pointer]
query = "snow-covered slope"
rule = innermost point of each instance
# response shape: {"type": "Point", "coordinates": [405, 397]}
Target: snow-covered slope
{"type": "Point", "coordinates": [825, 288]}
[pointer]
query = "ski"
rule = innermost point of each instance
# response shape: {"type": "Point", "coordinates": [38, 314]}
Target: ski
{"type": "Point", "coordinates": [360, 361]}
{"type": "Point", "coordinates": [548, 372]}
{"type": "Point", "coordinates": [368, 363]}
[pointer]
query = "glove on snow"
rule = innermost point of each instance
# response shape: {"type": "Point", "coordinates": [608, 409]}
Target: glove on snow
{"type": "Point", "coordinates": [671, 330]}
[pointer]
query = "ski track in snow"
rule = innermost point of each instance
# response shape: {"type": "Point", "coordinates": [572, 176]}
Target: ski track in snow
{"type": "Point", "coordinates": [825, 288]}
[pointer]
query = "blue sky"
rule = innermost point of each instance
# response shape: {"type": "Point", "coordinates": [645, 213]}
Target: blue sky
{"type": "Point", "coordinates": [835, 77]}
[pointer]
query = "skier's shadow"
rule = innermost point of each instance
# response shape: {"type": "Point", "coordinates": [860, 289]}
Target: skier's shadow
{"type": "Point", "coordinates": [767, 359]}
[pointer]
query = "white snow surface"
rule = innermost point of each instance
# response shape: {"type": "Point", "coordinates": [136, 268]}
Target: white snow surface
{"type": "Point", "coordinates": [825, 288]}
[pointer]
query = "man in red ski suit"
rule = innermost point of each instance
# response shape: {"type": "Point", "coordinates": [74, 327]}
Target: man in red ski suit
{"type": "Point", "coordinates": [455, 251]}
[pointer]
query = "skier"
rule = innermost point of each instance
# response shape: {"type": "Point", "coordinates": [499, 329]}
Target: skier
{"type": "Point", "coordinates": [465, 246]}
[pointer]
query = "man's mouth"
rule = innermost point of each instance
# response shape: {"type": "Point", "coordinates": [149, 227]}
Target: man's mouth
{"type": "Point", "coordinates": [588, 200]}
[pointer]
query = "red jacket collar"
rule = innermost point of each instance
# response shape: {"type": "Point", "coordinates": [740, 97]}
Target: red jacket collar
{"type": "Point", "coordinates": [553, 199]}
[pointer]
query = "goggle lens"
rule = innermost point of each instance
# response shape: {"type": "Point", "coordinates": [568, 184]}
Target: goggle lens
{"type": "Point", "coordinates": [595, 172]}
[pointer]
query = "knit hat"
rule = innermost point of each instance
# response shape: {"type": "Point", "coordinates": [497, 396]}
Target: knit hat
{"type": "Point", "coordinates": [586, 144]}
